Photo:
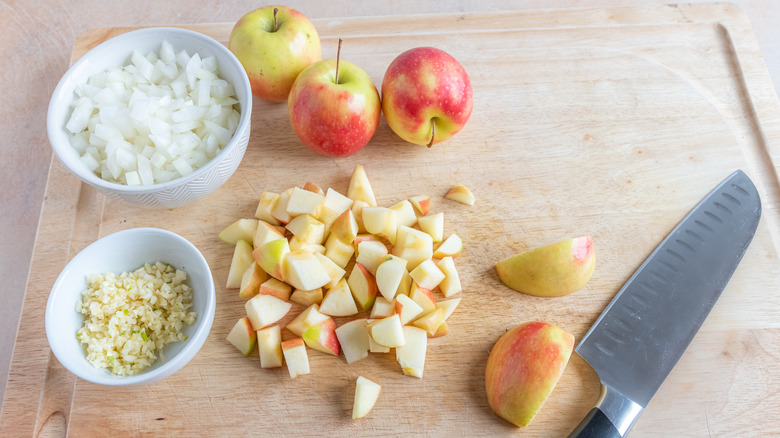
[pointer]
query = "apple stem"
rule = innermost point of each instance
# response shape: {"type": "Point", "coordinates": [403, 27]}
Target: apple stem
{"type": "Point", "coordinates": [433, 133]}
{"type": "Point", "coordinates": [276, 24]}
{"type": "Point", "coordinates": [338, 56]}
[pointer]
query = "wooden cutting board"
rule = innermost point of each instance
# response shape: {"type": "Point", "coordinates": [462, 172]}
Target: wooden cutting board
{"type": "Point", "coordinates": [612, 123]}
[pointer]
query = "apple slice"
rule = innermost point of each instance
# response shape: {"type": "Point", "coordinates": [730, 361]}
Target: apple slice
{"type": "Point", "coordinates": [433, 225]}
{"type": "Point", "coordinates": [354, 340]}
{"type": "Point", "coordinates": [381, 221]}
{"type": "Point", "coordinates": [276, 289]}
{"type": "Point", "coordinates": [406, 216]}
{"type": "Point", "coordinates": [307, 229]}
{"type": "Point", "coordinates": [243, 336]}
{"type": "Point", "coordinates": [265, 233]}
{"type": "Point", "coordinates": [451, 247]}
{"type": "Point", "coordinates": [338, 251]}
{"type": "Point", "coordinates": [449, 306]}
{"type": "Point", "coordinates": [430, 321]}
{"type": "Point", "coordinates": [370, 254]}
{"type": "Point", "coordinates": [334, 271]}
{"type": "Point", "coordinates": [295, 356]}
{"type": "Point", "coordinates": [373, 347]}
{"type": "Point", "coordinates": [269, 343]}
{"type": "Point", "coordinates": [335, 204]}
{"type": "Point", "coordinates": [345, 227]}
{"type": "Point", "coordinates": [266, 206]}
{"type": "Point", "coordinates": [322, 337]}
{"type": "Point", "coordinates": [357, 211]}
{"type": "Point", "coordinates": [303, 270]}
{"type": "Point", "coordinates": [242, 229]}
{"type": "Point", "coordinates": [423, 297]}
{"type": "Point", "coordinates": [366, 395]}
{"type": "Point", "coordinates": [407, 309]}
{"type": "Point", "coordinates": [411, 355]}
{"type": "Point", "coordinates": [314, 188]}
{"type": "Point", "coordinates": [300, 245]}
{"type": "Point", "coordinates": [360, 187]}
{"type": "Point", "coordinates": [270, 256]}
{"type": "Point", "coordinates": [404, 287]}
{"type": "Point", "coordinates": [363, 286]}
{"type": "Point", "coordinates": [421, 203]}
{"type": "Point", "coordinates": [304, 202]}
{"type": "Point", "coordinates": [441, 331]}
{"type": "Point", "coordinates": [387, 331]}
{"type": "Point", "coordinates": [451, 283]}
{"type": "Point", "coordinates": [253, 278]}
{"type": "Point", "coordinates": [307, 297]}
{"type": "Point", "coordinates": [460, 193]}
{"type": "Point", "coordinates": [338, 301]}
{"type": "Point", "coordinates": [264, 310]}
{"type": "Point", "coordinates": [413, 245]}
{"type": "Point", "coordinates": [280, 209]}
{"type": "Point", "coordinates": [427, 275]}
{"type": "Point", "coordinates": [306, 319]}
{"type": "Point", "coordinates": [242, 259]}
{"type": "Point", "coordinates": [382, 308]}
{"type": "Point", "coordinates": [389, 275]}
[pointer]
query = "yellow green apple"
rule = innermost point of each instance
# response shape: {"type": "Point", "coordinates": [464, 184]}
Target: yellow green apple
{"type": "Point", "coordinates": [553, 270]}
{"type": "Point", "coordinates": [523, 368]}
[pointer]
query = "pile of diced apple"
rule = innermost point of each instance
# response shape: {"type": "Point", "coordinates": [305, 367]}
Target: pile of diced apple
{"type": "Point", "coordinates": [342, 256]}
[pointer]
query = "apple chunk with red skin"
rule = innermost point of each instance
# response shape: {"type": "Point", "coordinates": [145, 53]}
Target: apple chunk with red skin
{"type": "Point", "coordinates": [553, 270]}
{"type": "Point", "coordinates": [334, 107]}
{"type": "Point", "coordinates": [426, 96]}
{"type": "Point", "coordinates": [523, 368]}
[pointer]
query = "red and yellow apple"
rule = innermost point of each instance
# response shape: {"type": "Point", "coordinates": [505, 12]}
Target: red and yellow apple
{"type": "Point", "coordinates": [523, 368]}
{"type": "Point", "coordinates": [426, 96]}
{"type": "Point", "coordinates": [553, 270]}
{"type": "Point", "coordinates": [274, 43]}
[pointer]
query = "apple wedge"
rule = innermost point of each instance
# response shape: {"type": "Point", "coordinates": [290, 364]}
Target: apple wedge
{"type": "Point", "coordinates": [242, 229]}
{"type": "Point", "coordinates": [345, 227]}
{"type": "Point", "coordinates": [270, 256]}
{"type": "Point", "coordinates": [264, 310]}
{"type": "Point", "coordinates": [427, 275]}
{"type": "Point", "coordinates": [253, 278]}
{"type": "Point", "coordinates": [275, 288]}
{"type": "Point", "coordinates": [405, 213]}
{"type": "Point", "coordinates": [421, 203]}
{"type": "Point", "coordinates": [302, 270]}
{"type": "Point", "coordinates": [338, 301]}
{"type": "Point", "coordinates": [381, 221]}
{"type": "Point", "coordinates": [360, 188]}
{"type": "Point", "coordinates": [243, 336]}
{"type": "Point", "coordinates": [322, 337]}
{"type": "Point", "coordinates": [300, 245]}
{"type": "Point", "coordinates": [304, 202]}
{"type": "Point", "coordinates": [269, 344]}
{"type": "Point", "coordinates": [334, 271]}
{"type": "Point", "coordinates": [335, 204]}
{"type": "Point", "coordinates": [307, 297]}
{"type": "Point", "coordinates": [294, 351]}
{"type": "Point", "coordinates": [411, 355]}
{"type": "Point", "coordinates": [451, 247]}
{"type": "Point", "coordinates": [354, 340]}
{"type": "Point", "coordinates": [373, 347]}
{"type": "Point", "coordinates": [307, 229]}
{"type": "Point", "coordinates": [265, 233]}
{"type": "Point", "coordinates": [306, 319]}
{"type": "Point", "coordinates": [363, 286]}
{"type": "Point", "coordinates": [357, 211]}
{"type": "Point", "coordinates": [405, 286]}
{"type": "Point", "coordinates": [413, 245]}
{"type": "Point", "coordinates": [382, 308]}
{"type": "Point", "coordinates": [448, 306]}
{"type": "Point", "coordinates": [430, 321]}
{"type": "Point", "coordinates": [366, 395]}
{"type": "Point", "coordinates": [407, 309]}
{"type": "Point", "coordinates": [370, 253]}
{"type": "Point", "coordinates": [460, 193]}
{"type": "Point", "coordinates": [387, 331]}
{"type": "Point", "coordinates": [338, 251]}
{"type": "Point", "coordinates": [314, 188]}
{"type": "Point", "coordinates": [242, 260]}
{"type": "Point", "coordinates": [266, 206]}
{"type": "Point", "coordinates": [389, 275]}
{"type": "Point", "coordinates": [443, 330]}
{"type": "Point", "coordinates": [280, 209]}
{"type": "Point", "coordinates": [433, 225]}
{"type": "Point", "coordinates": [423, 297]}
{"type": "Point", "coordinates": [451, 283]}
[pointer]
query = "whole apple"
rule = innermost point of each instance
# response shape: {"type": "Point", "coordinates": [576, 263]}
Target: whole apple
{"type": "Point", "coordinates": [334, 117]}
{"type": "Point", "coordinates": [552, 270]}
{"type": "Point", "coordinates": [426, 96]}
{"type": "Point", "coordinates": [274, 44]}
{"type": "Point", "coordinates": [524, 367]}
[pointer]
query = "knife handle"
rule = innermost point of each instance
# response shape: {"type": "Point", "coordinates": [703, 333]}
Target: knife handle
{"type": "Point", "coordinates": [612, 417]}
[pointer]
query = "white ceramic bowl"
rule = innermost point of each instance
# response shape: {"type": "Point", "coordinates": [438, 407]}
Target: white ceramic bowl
{"type": "Point", "coordinates": [116, 52]}
{"type": "Point", "coordinates": [126, 251]}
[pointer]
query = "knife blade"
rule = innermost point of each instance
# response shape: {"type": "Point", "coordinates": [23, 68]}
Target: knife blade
{"type": "Point", "coordinates": [642, 333]}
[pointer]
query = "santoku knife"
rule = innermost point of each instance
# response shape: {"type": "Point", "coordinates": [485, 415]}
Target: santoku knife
{"type": "Point", "coordinates": [642, 333]}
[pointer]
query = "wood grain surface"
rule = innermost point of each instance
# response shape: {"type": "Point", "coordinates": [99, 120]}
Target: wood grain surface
{"type": "Point", "coordinates": [612, 123]}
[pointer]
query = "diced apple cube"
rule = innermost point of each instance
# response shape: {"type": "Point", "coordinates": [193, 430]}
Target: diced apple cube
{"type": "Point", "coordinates": [449, 306]}
{"type": "Point", "coordinates": [406, 216]}
{"type": "Point", "coordinates": [314, 188]}
{"type": "Point", "coordinates": [276, 289]}
{"type": "Point", "coordinates": [373, 347]}
{"type": "Point", "coordinates": [354, 340]}
{"type": "Point", "coordinates": [421, 203]}
{"type": "Point", "coordinates": [430, 321]}
{"type": "Point", "coordinates": [411, 355]}
{"type": "Point", "coordinates": [304, 202]}
{"type": "Point", "coordinates": [451, 283]}
{"type": "Point", "coordinates": [382, 308]}
{"type": "Point", "coordinates": [270, 256]}
{"type": "Point", "coordinates": [387, 331]}
{"type": "Point", "coordinates": [360, 188]}
{"type": "Point", "coordinates": [338, 251]}
{"type": "Point", "coordinates": [265, 233]}
{"type": "Point", "coordinates": [264, 310]}
{"type": "Point", "coordinates": [366, 395]}
{"type": "Point", "coordinates": [433, 225]}
{"type": "Point", "coordinates": [441, 331]}
{"type": "Point", "coordinates": [280, 209]}
{"type": "Point", "coordinates": [322, 337]}
{"type": "Point", "coordinates": [335, 204]}
{"type": "Point", "coordinates": [370, 254]}
{"type": "Point", "coordinates": [363, 286]}
{"type": "Point", "coordinates": [357, 211]}
{"type": "Point", "coordinates": [381, 221]}
{"type": "Point", "coordinates": [460, 193]}
{"type": "Point", "coordinates": [269, 343]}
{"type": "Point", "coordinates": [407, 309]}
{"type": "Point", "coordinates": [242, 259]}
{"type": "Point", "coordinates": [307, 229]}
{"type": "Point", "coordinates": [253, 277]}
{"type": "Point", "coordinates": [307, 297]}
{"type": "Point", "coordinates": [338, 301]}
{"type": "Point", "coordinates": [300, 245]}
{"type": "Point", "coordinates": [452, 246]}
{"type": "Point", "coordinates": [423, 297]}
{"type": "Point", "coordinates": [266, 206]}
{"type": "Point", "coordinates": [243, 336]}
{"type": "Point", "coordinates": [345, 227]}
{"type": "Point", "coordinates": [242, 229]}
{"type": "Point", "coordinates": [427, 275]}
{"type": "Point", "coordinates": [413, 245]}
{"type": "Point", "coordinates": [295, 356]}
{"type": "Point", "coordinates": [389, 275]}
{"type": "Point", "coordinates": [306, 319]}
{"type": "Point", "coordinates": [304, 271]}
{"type": "Point", "coordinates": [335, 272]}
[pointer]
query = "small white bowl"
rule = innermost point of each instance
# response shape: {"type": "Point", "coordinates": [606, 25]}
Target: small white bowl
{"type": "Point", "coordinates": [126, 251]}
{"type": "Point", "coordinates": [116, 52]}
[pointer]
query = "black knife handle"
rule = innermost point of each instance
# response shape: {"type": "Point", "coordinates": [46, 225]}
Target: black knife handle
{"type": "Point", "coordinates": [595, 425]}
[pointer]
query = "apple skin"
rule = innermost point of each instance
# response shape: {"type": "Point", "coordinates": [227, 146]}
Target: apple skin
{"type": "Point", "coordinates": [336, 120]}
{"type": "Point", "coordinates": [553, 270]}
{"type": "Point", "coordinates": [523, 368]}
{"type": "Point", "coordinates": [423, 86]}
{"type": "Point", "coordinates": [273, 60]}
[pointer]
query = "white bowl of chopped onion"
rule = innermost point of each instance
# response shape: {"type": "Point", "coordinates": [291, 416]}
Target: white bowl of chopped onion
{"type": "Point", "coordinates": [157, 117]}
{"type": "Point", "coordinates": [137, 328]}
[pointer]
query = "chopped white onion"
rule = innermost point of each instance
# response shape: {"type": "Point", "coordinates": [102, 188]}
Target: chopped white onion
{"type": "Point", "coordinates": [158, 118]}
